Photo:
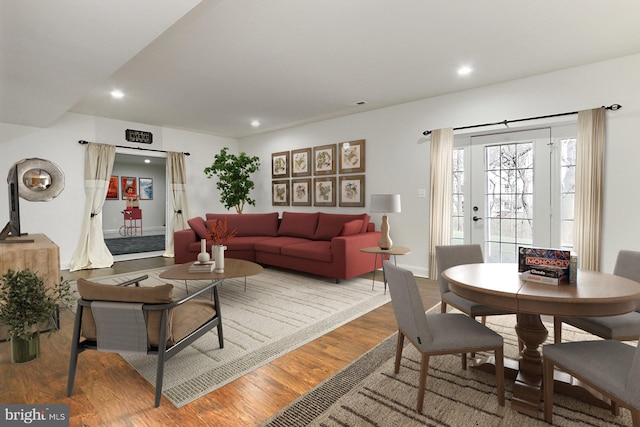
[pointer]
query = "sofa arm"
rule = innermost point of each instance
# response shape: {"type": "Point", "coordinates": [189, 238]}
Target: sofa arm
{"type": "Point", "coordinates": [181, 241]}
{"type": "Point", "coordinates": [348, 257]}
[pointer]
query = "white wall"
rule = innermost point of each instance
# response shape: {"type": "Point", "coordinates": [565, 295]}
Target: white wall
{"type": "Point", "coordinates": [397, 155]}
{"type": "Point", "coordinates": [61, 218]}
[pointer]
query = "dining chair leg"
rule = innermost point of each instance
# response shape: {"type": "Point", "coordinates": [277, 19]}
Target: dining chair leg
{"type": "Point", "coordinates": [499, 356]}
{"type": "Point", "coordinates": [635, 417]}
{"type": "Point", "coordinates": [422, 384]}
{"type": "Point", "coordinates": [464, 361]}
{"type": "Point", "coordinates": [443, 307]}
{"type": "Point", "coordinates": [399, 351]}
{"type": "Point", "coordinates": [547, 387]}
{"type": "Point", "coordinates": [557, 330]}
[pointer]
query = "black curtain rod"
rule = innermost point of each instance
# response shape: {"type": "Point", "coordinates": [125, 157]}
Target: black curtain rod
{"type": "Point", "coordinates": [83, 142]}
{"type": "Point", "coordinates": [612, 107]}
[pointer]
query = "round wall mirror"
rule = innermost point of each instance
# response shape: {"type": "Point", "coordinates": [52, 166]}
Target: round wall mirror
{"type": "Point", "coordinates": [39, 180]}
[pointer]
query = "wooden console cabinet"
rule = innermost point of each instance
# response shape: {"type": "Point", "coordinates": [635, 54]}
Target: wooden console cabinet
{"type": "Point", "coordinates": [41, 256]}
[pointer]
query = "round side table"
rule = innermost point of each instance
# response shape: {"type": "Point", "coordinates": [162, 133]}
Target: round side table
{"type": "Point", "coordinates": [394, 250]}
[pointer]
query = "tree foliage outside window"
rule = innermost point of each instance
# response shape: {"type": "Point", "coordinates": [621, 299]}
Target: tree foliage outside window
{"type": "Point", "coordinates": [234, 178]}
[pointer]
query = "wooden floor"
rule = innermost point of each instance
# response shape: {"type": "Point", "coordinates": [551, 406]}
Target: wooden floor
{"type": "Point", "coordinates": [109, 392]}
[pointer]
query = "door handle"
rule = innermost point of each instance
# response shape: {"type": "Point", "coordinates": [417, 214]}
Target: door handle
{"type": "Point", "coordinates": [476, 219]}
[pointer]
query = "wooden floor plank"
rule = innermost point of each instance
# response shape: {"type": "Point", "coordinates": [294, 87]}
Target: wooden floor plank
{"type": "Point", "coordinates": [109, 392]}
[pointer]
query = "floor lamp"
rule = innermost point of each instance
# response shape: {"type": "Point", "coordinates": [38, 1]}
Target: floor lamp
{"type": "Point", "coordinates": [384, 204]}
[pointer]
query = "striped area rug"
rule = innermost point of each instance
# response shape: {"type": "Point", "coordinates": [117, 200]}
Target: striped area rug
{"type": "Point", "coordinates": [278, 312]}
{"type": "Point", "coordinates": [367, 393]}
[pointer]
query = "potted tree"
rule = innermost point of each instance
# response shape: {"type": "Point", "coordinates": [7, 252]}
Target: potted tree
{"type": "Point", "coordinates": [234, 178]}
{"type": "Point", "coordinates": [26, 307]}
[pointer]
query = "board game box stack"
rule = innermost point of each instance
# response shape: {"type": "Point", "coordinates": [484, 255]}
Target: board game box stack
{"type": "Point", "coordinates": [550, 266]}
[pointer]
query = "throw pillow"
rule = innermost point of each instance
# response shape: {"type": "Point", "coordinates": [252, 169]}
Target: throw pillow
{"type": "Point", "coordinates": [198, 225]}
{"type": "Point", "coordinates": [352, 227]}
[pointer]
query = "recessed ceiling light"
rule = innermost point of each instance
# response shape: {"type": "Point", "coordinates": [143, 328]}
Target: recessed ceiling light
{"type": "Point", "coordinates": [464, 70]}
{"type": "Point", "coordinates": [117, 93]}
{"type": "Point", "coordinates": [147, 161]}
{"type": "Point", "coordinates": [255, 123]}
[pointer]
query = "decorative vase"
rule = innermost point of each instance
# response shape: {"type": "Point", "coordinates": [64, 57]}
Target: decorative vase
{"type": "Point", "coordinates": [25, 349]}
{"type": "Point", "coordinates": [218, 256]}
{"type": "Point", "coordinates": [203, 256]}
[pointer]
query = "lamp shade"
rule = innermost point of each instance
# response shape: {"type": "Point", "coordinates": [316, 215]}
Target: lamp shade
{"type": "Point", "coordinates": [385, 203]}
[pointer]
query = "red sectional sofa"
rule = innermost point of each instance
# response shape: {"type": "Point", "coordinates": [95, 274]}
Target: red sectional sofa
{"type": "Point", "coordinates": [318, 243]}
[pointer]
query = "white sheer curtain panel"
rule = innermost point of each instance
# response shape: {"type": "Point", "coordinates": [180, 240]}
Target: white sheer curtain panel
{"type": "Point", "coordinates": [440, 194]}
{"type": "Point", "coordinates": [589, 187]}
{"type": "Point", "coordinates": [91, 251]}
{"type": "Point", "coordinates": [178, 186]}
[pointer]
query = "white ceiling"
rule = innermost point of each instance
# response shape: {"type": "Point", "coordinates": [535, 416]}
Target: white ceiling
{"type": "Point", "coordinates": [214, 65]}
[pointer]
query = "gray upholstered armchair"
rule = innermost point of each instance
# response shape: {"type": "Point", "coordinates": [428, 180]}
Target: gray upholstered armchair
{"type": "Point", "coordinates": [437, 333]}
{"type": "Point", "coordinates": [624, 327]}
{"type": "Point", "coordinates": [123, 318]}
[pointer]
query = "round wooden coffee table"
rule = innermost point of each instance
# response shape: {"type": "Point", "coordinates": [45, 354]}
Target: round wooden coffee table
{"type": "Point", "coordinates": [232, 268]}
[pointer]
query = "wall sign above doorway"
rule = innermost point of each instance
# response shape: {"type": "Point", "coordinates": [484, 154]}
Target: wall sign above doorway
{"type": "Point", "coordinates": [139, 136]}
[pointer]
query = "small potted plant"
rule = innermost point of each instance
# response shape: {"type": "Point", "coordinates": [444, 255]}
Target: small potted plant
{"type": "Point", "coordinates": [26, 307]}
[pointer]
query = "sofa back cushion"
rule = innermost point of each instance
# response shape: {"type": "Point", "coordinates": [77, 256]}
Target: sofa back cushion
{"type": "Point", "coordinates": [248, 224]}
{"type": "Point", "coordinates": [298, 224]}
{"type": "Point", "coordinates": [199, 226]}
{"type": "Point", "coordinates": [331, 225]}
{"type": "Point", "coordinates": [352, 227]}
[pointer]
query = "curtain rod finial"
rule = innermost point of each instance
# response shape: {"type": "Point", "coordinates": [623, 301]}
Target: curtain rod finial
{"type": "Point", "coordinates": [426, 133]}
{"type": "Point", "coordinates": [614, 107]}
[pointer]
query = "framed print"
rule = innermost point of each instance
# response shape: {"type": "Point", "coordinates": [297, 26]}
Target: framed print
{"type": "Point", "coordinates": [280, 193]}
{"type": "Point", "coordinates": [301, 192]}
{"type": "Point", "coordinates": [351, 191]}
{"type": "Point", "coordinates": [128, 185]}
{"type": "Point", "coordinates": [324, 191]}
{"type": "Point", "coordinates": [280, 165]}
{"type": "Point", "coordinates": [351, 155]}
{"type": "Point", "coordinates": [112, 192]}
{"type": "Point", "coordinates": [146, 188]}
{"type": "Point", "coordinates": [301, 162]}
{"type": "Point", "coordinates": [324, 160]}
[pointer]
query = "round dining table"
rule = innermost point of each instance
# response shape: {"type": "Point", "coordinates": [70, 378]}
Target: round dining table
{"type": "Point", "coordinates": [501, 285]}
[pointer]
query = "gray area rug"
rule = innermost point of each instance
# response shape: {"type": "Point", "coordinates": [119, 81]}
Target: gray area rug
{"type": "Point", "coordinates": [367, 393]}
{"type": "Point", "coordinates": [279, 312]}
{"type": "Point", "coordinates": [135, 244]}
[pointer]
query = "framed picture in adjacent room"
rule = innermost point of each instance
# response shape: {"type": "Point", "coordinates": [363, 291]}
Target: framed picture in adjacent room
{"type": "Point", "coordinates": [146, 188]}
{"type": "Point", "coordinates": [128, 185]}
{"type": "Point", "coordinates": [280, 165]}
{"type": "Point", "coordinates": [301, 162]}
{"type": "Point", "coordinates": [351, 156]}
{"type": "Point", "coordinates": [301, 192]}
{"type": "Point", "coordinates": [280, 192]}
{"type": "Point", "coordinates": [324, 160]}
{"type": "Point", "coordinates": [112, 191]}
{"type": "Point", "coordinates": [351, 191]}
{"type": "Point", "coordinates": [324, 191]}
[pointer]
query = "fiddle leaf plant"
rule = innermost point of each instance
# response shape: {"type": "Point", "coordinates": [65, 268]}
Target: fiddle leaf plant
{"type": "Point", "coordinates": [26, 304]}
{"type": "Point", "coordinates": [234, 178]}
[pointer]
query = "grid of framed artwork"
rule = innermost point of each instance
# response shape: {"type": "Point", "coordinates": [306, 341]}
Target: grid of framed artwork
{"type": "Point", "coordinates": [119, 187]}
{"type": "Point", "coordinates": [325, 175]}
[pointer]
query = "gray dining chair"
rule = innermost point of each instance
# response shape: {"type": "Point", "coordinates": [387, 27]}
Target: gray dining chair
{"type": "Point", "coordinates": [437, 333]}
{"type": "Point", "coordinates": [610, 367]}
{"type": "Point", "coordinates": [624, 327]}
{"type": "Point", "coordinates": [451, 256]}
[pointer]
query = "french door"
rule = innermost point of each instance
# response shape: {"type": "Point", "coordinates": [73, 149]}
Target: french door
{"type": "Point", "coordinates": [514, 189]}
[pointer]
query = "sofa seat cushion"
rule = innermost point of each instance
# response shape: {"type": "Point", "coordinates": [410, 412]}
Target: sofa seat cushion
{"type": "Point", "coordinates": [245, 243]}
{"type": "Point", "coordinates": [298, 224]}
{"type": "Point", "coordinates": [330, 225]}
{"type": "Point", "coordinates": [248, 224]}
{"type": "Point", "coordinates": [317, 250]}
{"type": "Point", "coordinates": [275, 245]}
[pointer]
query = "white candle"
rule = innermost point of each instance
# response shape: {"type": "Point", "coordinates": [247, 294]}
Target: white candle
{"type": "Point", "coordinates": [203, 245]}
